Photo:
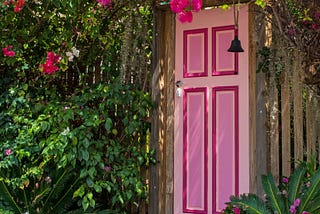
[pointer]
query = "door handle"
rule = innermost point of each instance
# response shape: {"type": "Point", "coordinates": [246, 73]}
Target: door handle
{"type": "Point", "coordinates": [179, 90]}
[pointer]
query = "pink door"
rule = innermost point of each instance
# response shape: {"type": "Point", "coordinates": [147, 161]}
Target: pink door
{"type": "Point", "coordinates": [211, 147]}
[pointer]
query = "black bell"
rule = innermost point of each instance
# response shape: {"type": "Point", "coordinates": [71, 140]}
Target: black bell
{"type": "Point", "coordinates": [235, 45]}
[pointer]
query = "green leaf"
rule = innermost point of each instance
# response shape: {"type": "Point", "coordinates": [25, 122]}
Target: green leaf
{"type": "Point", "coordinates": [108, 124]}
{"type": "Point", "coordinates": [296, 179]}
{"type": "Point", "coordinates": [251, 203]}
{"type": "Point", "coordinates": [312, 192]}
{"type": "Point", "coordinates": [5, 194]}
{"type": "Point", "coordinates": [273, 194]}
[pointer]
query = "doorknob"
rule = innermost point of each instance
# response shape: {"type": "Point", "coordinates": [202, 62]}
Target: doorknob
{"type": "Point", "coordinates": [179, 89]}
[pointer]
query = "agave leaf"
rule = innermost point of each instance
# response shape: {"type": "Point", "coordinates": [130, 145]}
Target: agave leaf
{"type": "Point", "coordinates": [295, 182]}
{"type": "Point", "coordinates": [251, 203]}
{"type": "Point", "coordinates": [312, 192]}
{"type": "Point", "coordinates": [273, 194]}
{"type": "Point", "coordinates": [6, 196]}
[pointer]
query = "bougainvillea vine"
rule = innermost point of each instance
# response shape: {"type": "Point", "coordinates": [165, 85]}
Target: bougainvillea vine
{"type": "Point", "coordinates": [184, 9]}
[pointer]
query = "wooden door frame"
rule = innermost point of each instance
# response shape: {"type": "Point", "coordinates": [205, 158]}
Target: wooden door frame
{"type": "Point", "coordinates": [163, 92]}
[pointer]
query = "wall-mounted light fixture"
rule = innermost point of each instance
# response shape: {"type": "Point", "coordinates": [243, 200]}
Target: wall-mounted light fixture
{"type": "Point", "coordinates": [236, 44]}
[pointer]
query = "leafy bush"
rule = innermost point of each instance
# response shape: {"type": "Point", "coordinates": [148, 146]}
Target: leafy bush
{"type": "Point", "coordinates": [298, 194]}
{"type": "Point", "coordinates": [98, 137]}
{"type": "Point", "coordinates": [74, 126]}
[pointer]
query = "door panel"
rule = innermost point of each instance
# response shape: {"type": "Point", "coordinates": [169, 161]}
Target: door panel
{"type": "Point", "coordinates": [195, 148]}
{"type": "Point", "coordinates": [210, 145]}
{"type": "Point", "coordinates": [225, 145]}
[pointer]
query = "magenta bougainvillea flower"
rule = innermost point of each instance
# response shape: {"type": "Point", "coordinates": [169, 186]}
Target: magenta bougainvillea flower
{"type": "Point", "coordinates": [178, 6]}
{"type": "Point", "coordinates": [236, 210]}
{"type": "Point", "coordinates": [18, 5]}
{"type": "Point", "coordinates": [8, 52]}
{"type": "Point", "coordinates": [51, 64]}
{"type": "Point", "coordinates": [105, 2]}
{"type": "Point", "coordinates": [185, 16]}
{"type": "Point", "coordinates": [196, 5]}
{"type": "Point", "coordinates": [8, 152]}
{"type": "Point", "coordinates": [184, 8]}
{"type": "Point", "coordinates": [107, 168]}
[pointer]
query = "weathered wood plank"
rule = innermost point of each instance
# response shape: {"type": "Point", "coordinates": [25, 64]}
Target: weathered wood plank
{"type": "Point", "coordinates": [169, 118]}
{"type": "Point", "coordinates": [297, 108]}
{"type": "Point", "coordinates": [285, 118]}
{"type": "Point", "coordinates": [254, 118]}
{"type": "Point", "coordinates": [310, 124]}
{"type": "Point", "coordinates": [273, 112]}
{"type": "Point", "coordinates": [155, 170]}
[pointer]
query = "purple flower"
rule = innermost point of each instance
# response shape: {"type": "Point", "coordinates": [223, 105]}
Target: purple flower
{"type": "Point", "coordinates": [296, 202]}
{"type": "Point", "coordinates": [315, 26]}
{"type": "Point", "coordinates": [104, 2]}
{"type": "Point", "coordinates": [293, 209]}
{"type": "Point", "coordinates": [285, 180]}
{"type": "Point", "coordinates": [8, 152]}
{"type": "Point", "coordinates": [107, 168]}
{"type": "Point", "coordinates": [291, 31]}
{"type": "Point", "coordinates": [305, 212]}
{"type": "Point", "coordinates": [236, 210]}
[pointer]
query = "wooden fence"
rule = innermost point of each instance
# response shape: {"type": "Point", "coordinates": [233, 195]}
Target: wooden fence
{"type": "Point", "coordinates": [292, 117]}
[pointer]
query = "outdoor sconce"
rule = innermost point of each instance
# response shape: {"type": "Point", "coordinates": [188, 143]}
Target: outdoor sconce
{"type": "Point", "coordinates": [236, 44]}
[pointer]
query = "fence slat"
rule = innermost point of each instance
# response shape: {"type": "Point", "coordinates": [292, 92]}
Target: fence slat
{"type": "Point", "coordinates": [297, 108]}
{"type": "Point", "coordinates": [285, 118]}
{"type": "Point", "coordinates": [310, 125]}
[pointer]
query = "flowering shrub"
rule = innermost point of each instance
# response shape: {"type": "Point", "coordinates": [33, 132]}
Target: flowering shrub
{"type": "Point", "coordinates": [298, 194]}
{"type": "Point", "coordinates": [184, 9]}
{"type": "Point", "coordinates": [69, 140]}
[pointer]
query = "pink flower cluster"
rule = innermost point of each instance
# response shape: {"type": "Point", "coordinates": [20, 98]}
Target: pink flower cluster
{"type": "Point", "coordinates": [184, 8]}
{"type": "Point", "coordinates": [17, 4]}
{"type": "Point", "coordinates": [8, 152]}
{"type": "Point", "coordinates": [105, 2]}
{"type": "Point", "coordinates": [51, 64]}
{"type": "Point", "coordinates": [295, 205]}
{"type": "Point", "coordinates": [8, 51]}
{"type": "Point", "coordinates": [236, 210]}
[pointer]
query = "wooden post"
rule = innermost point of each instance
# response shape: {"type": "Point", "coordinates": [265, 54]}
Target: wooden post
{"type": "Point", "coordinates": [161, 175]}
{"type": "Point", "coordinates": [253, 104]}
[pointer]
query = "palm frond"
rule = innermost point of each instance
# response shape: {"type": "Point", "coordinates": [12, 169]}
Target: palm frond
{"type": "Point", "coordinates": [59, 198]}
{"type": "Point", "coordinates": [7, 198]}
{"type": "Point", "coordinates": [312, 192]}
{"type": "Point", "coordinates": [251, 203]}
{"type": "Point", "coordinates": [40, 197]}
{"type": "Point", "coordinates": [295, 182]}
{"type": "Point", "coordinates": [314, 205]}
{"type": "Point", "coordinates": [65, 200]}
{"type": "Point", "coordinates": [273, 194]}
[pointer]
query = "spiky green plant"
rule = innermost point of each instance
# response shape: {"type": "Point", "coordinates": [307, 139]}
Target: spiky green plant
{"type": "Point", "coordinates": [299, 194]}
{"type": "Point", "coordinates": [52, 194]}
